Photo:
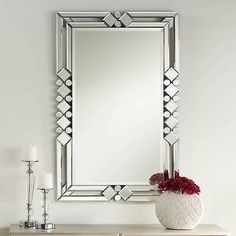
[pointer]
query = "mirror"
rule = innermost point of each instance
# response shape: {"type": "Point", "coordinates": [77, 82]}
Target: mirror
{"type": "Point", "coordinates": [117, 103]}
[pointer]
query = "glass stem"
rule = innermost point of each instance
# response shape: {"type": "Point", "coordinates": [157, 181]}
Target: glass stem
{"type": "Point", "coordinates": [30, 189]}
{"type": "Point", "coordinates": [28, 195]}
{"type": "Point", "coordinates": [45, 206]}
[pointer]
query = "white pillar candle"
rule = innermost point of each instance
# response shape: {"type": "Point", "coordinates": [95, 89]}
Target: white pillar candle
{"type": "Point", "coordinates": [45, 181]}
{"type": "Point", "coordinates": [31, 153]}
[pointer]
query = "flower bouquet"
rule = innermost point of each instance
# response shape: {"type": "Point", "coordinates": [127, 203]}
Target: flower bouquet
{"type": "Point", "coordinates": [179, 205]}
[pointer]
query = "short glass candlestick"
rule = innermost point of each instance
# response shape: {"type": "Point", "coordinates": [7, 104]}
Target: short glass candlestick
{"type": "Point", "coordinates": [45, 207]}
{"type": "Point", "coordinates": [30, 187]}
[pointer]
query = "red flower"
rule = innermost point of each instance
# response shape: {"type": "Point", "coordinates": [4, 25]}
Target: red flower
{"type": "Point", "coordinates": [156, 178]}
{"type": "Point", "coordinates": [179, 184]}
{"type": "Point", "coordinates": [176, 184]}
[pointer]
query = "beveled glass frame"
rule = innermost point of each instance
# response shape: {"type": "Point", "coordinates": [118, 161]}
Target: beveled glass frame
{"type": "Point", "coordinates": [65, 22]}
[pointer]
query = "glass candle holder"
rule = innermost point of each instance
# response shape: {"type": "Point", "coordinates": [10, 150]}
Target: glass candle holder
{"type": "Point", "coordinates": [30, 188]}
{"type": "Point", "coordinates": [45, 207]}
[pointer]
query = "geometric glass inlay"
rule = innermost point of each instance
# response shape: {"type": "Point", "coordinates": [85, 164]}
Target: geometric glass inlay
{"type": "Point", "coordinates": [68, 114]}
{"type": "Point", "coordinates": [166, 130]}
{"type": "Point", "coordinates": [166, 98]}
{"type": "Point", "coordinates": [125, 19]}
{"type": "Point", "coordinates": [63, 106]}
{"type": "Point", "coordinates": [63, 90]}
{"type": "Point", "coordinates": [176, 114]}
{"type": "Point", "coordinates": [176, 98]}
{"type": "Point", "coordinates": [59, 130]}
{"type": "Point", "coordinates": [171, 138]}
{"type": "Point", "coordinates": [68, 98]}
{"type": "Point", "coordinates": [59, 98]}
{"type": "Point", "coordinates": [171, 106]}
{"type": "Point", "coordinates": [171, 122]}
{"type": "Point", "coordinates": [117, 188]}
{"type": "Point", "coordinates": [64, 138]}
{"type": "Point", "coordinates": [171, 74]}
{"type": "Point", "coordinates": [125, 193]}
{"type": "Point", "coordinates": [109, 193]}
{"type": "Point", "coordinates": [59, 114]}
{"type": "Point", "coordinates": [59, 83]}
{"type": "Point", "coordinates": [176, 82]}
{"type": "Point", "coordinates": [117, 198]}
{"type": "Point", "coordinates": [110, 19]}
{"type": "Point", "coordinates": [117, 14]}
{"type": "Point", "coordinates": [68, 130]}
{"type": "Point", "coordinates": [63, 122]}
{"type": "Point", "coordinates": [176, 130]}
{"type": "Point", "coordinates": [171, 90]}
{"type": "Point", "coordinates": [118, 24]}
{"type": "Point", "coordinates": [166, 114]}
{"type": "Point", "coordinates": [64, 74]}
{"type": "Point", "coordinates": [68, 82]}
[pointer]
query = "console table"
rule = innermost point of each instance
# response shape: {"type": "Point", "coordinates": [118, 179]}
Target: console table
{"type": "Point", "coordinates": [118, 230]}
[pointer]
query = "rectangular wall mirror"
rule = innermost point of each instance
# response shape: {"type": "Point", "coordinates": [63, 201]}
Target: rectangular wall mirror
{"type": "Point", "coordinates": [117, 103]}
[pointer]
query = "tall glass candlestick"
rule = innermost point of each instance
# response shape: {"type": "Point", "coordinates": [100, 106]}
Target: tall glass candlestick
{"type": "Point", "coordinates": [29, 223]}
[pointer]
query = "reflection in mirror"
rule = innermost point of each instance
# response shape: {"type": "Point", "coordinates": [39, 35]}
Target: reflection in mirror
{"type": "Point", "coordinates": [117, 105]}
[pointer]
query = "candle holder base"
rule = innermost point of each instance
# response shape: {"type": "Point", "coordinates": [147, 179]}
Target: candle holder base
{"type": "Point", "coordinates": [27, 224]}
{"type": "Point", "coordinates": [46, 226]}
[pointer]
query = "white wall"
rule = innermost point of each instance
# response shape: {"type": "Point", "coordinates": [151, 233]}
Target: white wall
{"type": "Point", "coordinates": [208, 130]}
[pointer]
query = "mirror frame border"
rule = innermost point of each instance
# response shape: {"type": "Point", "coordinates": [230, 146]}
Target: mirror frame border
{"type": "Point", "coordinates": [65, 22]}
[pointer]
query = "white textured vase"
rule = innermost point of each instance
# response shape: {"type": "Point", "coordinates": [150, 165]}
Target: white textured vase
{"type": "Point", "coordinates": [179, 211]}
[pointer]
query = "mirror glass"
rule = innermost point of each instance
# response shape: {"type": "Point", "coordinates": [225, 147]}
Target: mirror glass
{"type": "Point", "coordinates": [117, 105]}
{"type": "Point", "coordinates": [117, 78]}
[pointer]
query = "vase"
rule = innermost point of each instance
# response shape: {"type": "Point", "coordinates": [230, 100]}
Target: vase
{"type": "Point", "coordinates": [179, 211]}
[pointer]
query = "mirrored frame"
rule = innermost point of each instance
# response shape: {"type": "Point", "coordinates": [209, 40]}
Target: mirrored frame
{"type": "Point", "coordinates": [65, 23]}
